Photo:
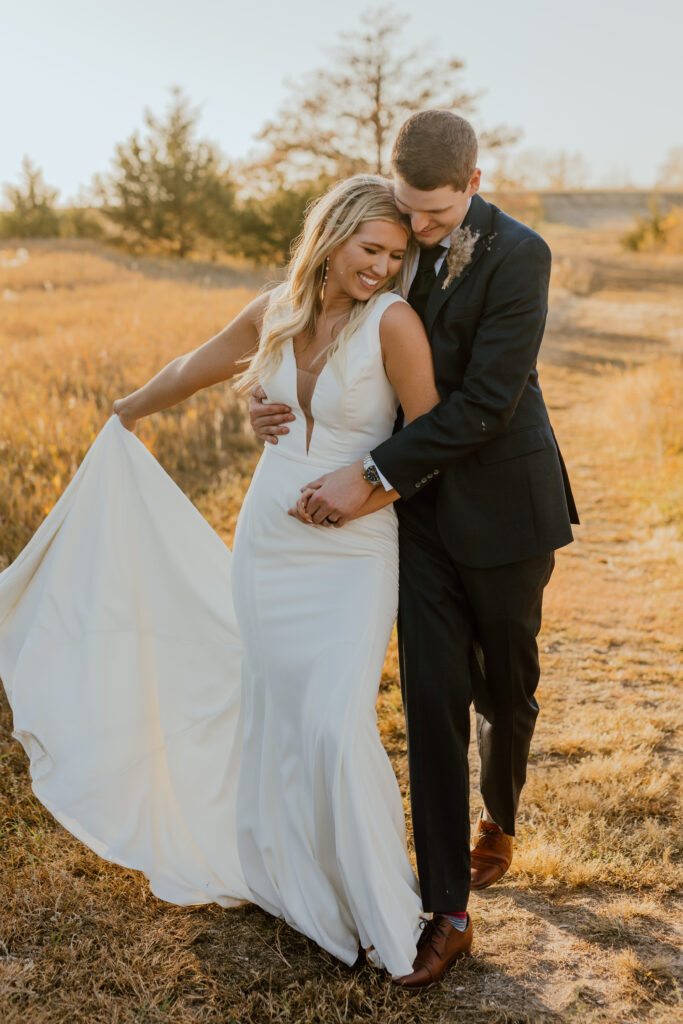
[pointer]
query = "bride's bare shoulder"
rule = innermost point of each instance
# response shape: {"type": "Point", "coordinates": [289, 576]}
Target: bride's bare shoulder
{"type": "Point", "coordinates": [255, 311]}
{"type": "Point", "coordinates": [399, 318]}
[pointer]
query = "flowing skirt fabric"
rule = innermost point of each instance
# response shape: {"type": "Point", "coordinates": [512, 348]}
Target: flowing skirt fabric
{"type": "Point", "coordinates": [209, 718]}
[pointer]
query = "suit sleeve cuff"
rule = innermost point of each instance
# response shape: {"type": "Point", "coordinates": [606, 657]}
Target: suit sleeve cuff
{"type": "Point", "coordinates": [385, 483]}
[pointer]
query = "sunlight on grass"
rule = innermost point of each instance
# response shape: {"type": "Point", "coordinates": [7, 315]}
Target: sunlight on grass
{"type": "Point", "coordinates": [584, 926]}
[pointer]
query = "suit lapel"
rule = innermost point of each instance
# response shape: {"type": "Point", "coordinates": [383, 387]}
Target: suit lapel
{"type": "Point", "coordinates": [479, 219]}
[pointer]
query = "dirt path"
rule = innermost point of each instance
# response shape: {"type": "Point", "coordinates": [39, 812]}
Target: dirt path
{"type": "Point", "coordinates": [585, 926]}
{"type": "Point", "coordinates": [586, 923]}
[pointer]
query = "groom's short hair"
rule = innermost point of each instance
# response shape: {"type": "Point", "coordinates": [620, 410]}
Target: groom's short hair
{"type": "Point", "coordinates": [435, 148]}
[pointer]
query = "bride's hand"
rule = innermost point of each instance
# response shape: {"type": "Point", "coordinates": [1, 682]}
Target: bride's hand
{"type": "Point", "coordinates": [299, 511]}
{"type": "Point", "coordinates": [126, 421]}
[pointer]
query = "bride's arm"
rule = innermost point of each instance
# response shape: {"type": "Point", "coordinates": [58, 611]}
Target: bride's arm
{"type": "Point", "coordinates": [217, 359]}
{"type": "Point", "coordinates": [408, 364]}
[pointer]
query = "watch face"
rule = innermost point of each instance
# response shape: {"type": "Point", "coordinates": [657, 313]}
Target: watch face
{"type": "Point", "coordinates": [371, 475]}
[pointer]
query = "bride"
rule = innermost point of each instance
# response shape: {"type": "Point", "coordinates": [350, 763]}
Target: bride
{"type": "Point", "coordinates": [206, 717]}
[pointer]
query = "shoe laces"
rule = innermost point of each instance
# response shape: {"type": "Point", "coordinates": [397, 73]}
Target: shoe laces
{"type": "Point", "coordinates": [435, 930]}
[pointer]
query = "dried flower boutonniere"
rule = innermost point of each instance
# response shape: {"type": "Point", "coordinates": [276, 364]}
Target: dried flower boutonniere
{"type": "Point", "coordinates": [459, 254]}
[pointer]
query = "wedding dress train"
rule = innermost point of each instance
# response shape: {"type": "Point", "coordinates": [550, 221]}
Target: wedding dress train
{"type": "Point", "coordinates": [209, 718]}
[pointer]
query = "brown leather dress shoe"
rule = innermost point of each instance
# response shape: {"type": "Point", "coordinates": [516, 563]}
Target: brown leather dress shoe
{"type": "Point", "coordinates": [490, 855]}
{"type": "Point", "coordinates": [439, 945]}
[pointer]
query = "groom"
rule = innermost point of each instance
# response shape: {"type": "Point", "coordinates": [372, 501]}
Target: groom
{"type": "Point", "coordinates": [485, 501]}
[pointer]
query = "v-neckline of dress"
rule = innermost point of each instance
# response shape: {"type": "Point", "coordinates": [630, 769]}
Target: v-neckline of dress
{"type": "Point", "coordinates": [305, 397]}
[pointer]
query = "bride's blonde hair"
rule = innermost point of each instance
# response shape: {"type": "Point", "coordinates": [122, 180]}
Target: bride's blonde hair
{"type": "Point", "coordinates": [296, 305]}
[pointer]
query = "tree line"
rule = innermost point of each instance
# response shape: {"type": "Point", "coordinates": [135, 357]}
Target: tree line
{"type": "Point", "coordinates": [171, 191]}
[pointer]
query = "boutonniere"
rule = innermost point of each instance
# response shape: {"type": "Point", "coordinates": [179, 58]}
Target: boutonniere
{"type": "Point", "coordinates": [460, 252]}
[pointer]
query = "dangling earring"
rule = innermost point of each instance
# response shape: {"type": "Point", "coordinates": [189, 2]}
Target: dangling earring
{"type": "Point", "coordinates": [322, 288]}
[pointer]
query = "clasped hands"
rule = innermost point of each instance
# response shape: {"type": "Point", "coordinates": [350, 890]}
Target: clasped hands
{"type": "Point", "coordinates": [300, 510]}
{"type": "Point", "coordinates": [334, 498]}
{"type": "Point", "coordinates": [330, 500]}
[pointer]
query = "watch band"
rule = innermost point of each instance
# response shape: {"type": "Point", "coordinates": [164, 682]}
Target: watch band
{"type": "Point", "coordinates": [370, 471]}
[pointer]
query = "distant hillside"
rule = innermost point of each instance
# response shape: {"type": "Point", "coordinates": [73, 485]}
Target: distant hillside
{"type": "Point", "coordinates": [598, 208]}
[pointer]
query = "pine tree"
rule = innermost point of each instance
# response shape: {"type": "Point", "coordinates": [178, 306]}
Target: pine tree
{"type": "Point", "coordinates": [267, 224]}
{"type": "Point", "coordinates": [166, 187]}
{"type": "Point", "coordinates": [32, 212]}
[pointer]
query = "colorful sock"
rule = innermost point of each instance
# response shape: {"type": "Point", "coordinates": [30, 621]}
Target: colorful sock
{"type": "Point", "coordinates": [458, 919]}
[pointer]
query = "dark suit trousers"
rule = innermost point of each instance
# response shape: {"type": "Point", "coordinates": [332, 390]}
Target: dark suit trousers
{"type": "Point", "coordinates": [464, 635]}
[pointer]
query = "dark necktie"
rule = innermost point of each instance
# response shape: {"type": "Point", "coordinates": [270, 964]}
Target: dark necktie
{"type": "Point", "coordinates": [424, 279]}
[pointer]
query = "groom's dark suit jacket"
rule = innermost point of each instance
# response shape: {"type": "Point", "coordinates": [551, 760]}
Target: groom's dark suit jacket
{"type": "Point", "coordinates": [487, 455]}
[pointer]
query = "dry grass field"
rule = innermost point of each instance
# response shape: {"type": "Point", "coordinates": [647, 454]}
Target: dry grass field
{"type": "Point", "coordinates": [587, 924]}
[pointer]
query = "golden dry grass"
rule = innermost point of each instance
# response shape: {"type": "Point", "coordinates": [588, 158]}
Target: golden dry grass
{"type": "Point", "coordinates": [586, 926]}
{"type": "Point", "coordinates": [70, 349]}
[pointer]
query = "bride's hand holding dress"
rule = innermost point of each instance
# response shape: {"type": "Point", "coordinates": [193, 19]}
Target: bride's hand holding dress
{"type": "Point", "coordinates": [217, 360]}
{"type": "Point", "coordinates": [210, 718]}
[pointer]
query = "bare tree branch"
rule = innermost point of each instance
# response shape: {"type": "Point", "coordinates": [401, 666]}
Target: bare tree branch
{"type": "Point", "coordinates": [343, 119]}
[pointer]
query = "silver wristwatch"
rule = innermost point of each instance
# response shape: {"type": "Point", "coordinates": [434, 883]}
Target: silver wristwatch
{"type": "Point", "coordinates": [370, 471]}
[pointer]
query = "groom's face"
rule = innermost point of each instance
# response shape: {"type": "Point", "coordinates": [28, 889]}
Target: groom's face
{"type": "Point", "coordinates": [436, 213]}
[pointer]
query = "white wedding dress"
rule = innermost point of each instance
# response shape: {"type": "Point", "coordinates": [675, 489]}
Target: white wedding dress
{"type": "Point", "coordinates": [226, 746]}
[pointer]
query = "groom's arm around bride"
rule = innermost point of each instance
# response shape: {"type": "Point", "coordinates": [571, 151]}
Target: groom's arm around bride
{"type": "Point", "coordinates": [489, 440]}
{"type": "Point", "coordinates": [485, 503]}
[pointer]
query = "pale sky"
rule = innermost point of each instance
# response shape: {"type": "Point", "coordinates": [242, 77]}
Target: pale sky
{"type": "Point", "coordinates": [601, 79]}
